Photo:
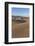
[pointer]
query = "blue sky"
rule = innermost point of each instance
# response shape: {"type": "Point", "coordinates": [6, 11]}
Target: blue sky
{"type": "Point", "coordinates": [20, 11]}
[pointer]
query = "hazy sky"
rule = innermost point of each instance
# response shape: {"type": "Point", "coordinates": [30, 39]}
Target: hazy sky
{"type": "Point", "coordinates": [20, 11]}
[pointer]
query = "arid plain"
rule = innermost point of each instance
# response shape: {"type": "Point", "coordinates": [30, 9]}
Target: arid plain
{"type": "Point", "coordinates": [20, 28]}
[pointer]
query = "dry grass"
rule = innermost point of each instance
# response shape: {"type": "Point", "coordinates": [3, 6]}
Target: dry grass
{"type": "Point", "coordinates": [20, 30]}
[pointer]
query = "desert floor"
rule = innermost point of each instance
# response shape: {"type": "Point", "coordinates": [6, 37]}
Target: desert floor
{"type": "Point", "coordinates": [20, 30]}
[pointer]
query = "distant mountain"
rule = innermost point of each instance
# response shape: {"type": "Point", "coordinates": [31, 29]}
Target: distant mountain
{"type": "Point", "coordinates": [19, 18]}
